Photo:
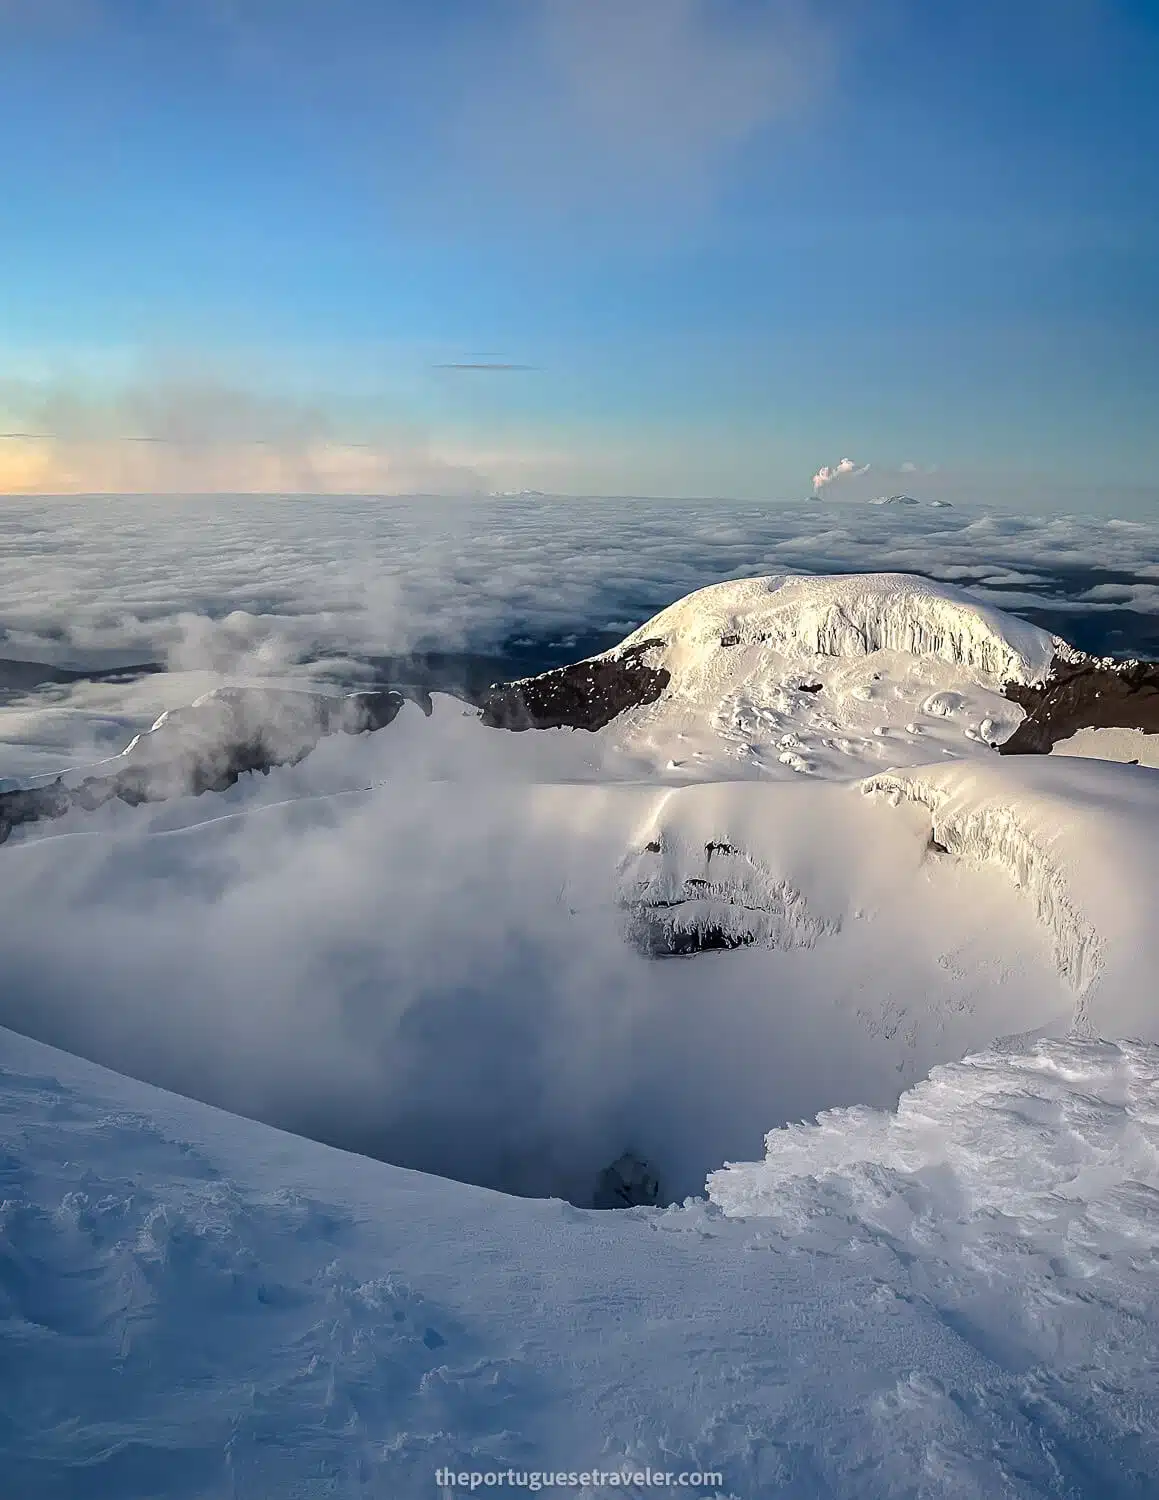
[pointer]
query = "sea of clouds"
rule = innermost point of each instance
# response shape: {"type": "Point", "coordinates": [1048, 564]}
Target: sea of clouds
{"type": "Point", "coordinates": [128, 572]}
{"type": "Point", "coordinates": [225, 586]}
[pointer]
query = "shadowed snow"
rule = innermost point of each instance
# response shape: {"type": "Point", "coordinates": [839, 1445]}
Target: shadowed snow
{"type": "Point", "coordinates": [959, 1298]}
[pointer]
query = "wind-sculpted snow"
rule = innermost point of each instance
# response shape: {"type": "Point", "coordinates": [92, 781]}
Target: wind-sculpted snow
{"type": "Point", "coordinates": [1060, 1137]}
{"type": "Point", "coordinates": [854, 614]}
{"type": "Point", "coordinates": [959, 1299]}
{"type": "Point", "coordinates": [1016, 1195]}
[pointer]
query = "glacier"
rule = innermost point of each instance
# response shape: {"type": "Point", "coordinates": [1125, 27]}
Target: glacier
{"type": "Point", "coordinates": [855, 614]}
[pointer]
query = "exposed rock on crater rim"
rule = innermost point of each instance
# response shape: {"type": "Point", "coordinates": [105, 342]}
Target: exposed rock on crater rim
{"type": "Point", "coordinates": [1083, 693]}
{"type": "Point", "coordinates": [587, 695]}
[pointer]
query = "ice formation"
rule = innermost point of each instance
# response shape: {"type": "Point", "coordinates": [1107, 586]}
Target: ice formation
{"type": "Point", "coordinates": [991, 832]}
{"type": "Point", "coordinates": [1038, 1163]}
{"type": "Point", "coordinates": [679, 901]}
{"type": "Point", "coordinates": [852, 615]}
{"type": "Point", "coordinates": [956, 1299]}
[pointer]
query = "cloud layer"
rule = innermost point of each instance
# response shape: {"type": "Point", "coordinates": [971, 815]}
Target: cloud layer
{"type": "Point", "coordinates": [241, 584]}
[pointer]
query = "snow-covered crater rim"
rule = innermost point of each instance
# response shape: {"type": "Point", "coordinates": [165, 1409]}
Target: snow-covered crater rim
{"type": "Point", "coordinates": [990, 831]}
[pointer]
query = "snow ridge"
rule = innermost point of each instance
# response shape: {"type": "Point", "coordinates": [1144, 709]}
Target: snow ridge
{"type": "Point", "coordinates": [856, 614]}
{"type": "Point", "coordinates": [1033, 1166]}
{"type": "Point", "coordinates": [993, 834]}
{"type": "Point", "coordinates": [1015, 1195]}
{"type": "Point", "coordinates": [1095, 1133]}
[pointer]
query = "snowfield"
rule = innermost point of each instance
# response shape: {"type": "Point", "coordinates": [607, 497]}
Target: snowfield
{"type": "Point", "coordinates": [830, 676]}
{"type": "Point", "coordinates": [415, 991]}
{"type": "Point", "coordinates": [959, 1299]}
{"type": "Point", "coordinates": [1128, 745]}
{"type": "Point", "coordinates": [855, 614]}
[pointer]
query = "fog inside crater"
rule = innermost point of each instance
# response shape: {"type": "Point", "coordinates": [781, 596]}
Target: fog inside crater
{"type": "Point", "coordinates": [463, 977]}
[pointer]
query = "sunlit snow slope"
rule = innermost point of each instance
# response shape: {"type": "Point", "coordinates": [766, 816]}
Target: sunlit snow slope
{"type": "Point", "coordinates": [831, 676]}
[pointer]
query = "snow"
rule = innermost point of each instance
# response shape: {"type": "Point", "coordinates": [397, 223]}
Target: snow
{"type": "Point", "coordinates": [455, 954]}
{"type": "Point", "coordinates": [818, 673]}
{"type": "Point", "coordinates": [1112, 744]}
{"type": "Point", "coordinates": [956, 1299]}
{"type": "Point", "coordinates": [959, 1138]}
{"type": "Point", "coordinates": [896, 657]}
{"type": "Point", "coordinates": [853, 614]}
{"type": "Point", "coordinates": [1078, 839]}
{"type": "Point", "coordinates": [286, 722]}
{"type": "Point", "coordinates": [392, 970]}
{"type": "Point", "coordinates": [1018, 1192]}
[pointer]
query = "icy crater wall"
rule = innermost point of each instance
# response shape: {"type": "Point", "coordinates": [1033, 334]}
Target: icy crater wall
{"type": "Point", "coordinates": [992, 833]}
{"type": "Point", "coordinates": [680, 899]}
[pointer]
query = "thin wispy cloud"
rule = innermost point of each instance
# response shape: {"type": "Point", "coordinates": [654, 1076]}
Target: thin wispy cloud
{"type": "Point", "coordinates": [482, 365]}
{"type": "Point", "coordinates": [597, 184]}
{"type": "Point", "coordinates": [636, 106]}
{"type": "Point", "coordinates": [561, 111]}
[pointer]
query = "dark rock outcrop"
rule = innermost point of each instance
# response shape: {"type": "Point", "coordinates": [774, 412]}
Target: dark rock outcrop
{"type": "Point", "coordinates": [1084, 693]}
{"type": "Point", "coordinates": [628, 1183]}
{"type": "Point", "coordinates": [206, 747]}
{"type": "Point", "coordinates": [587, 695]}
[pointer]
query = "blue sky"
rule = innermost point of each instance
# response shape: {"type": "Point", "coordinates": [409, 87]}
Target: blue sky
{"type": "Point", "coordinates": [734, 240]}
